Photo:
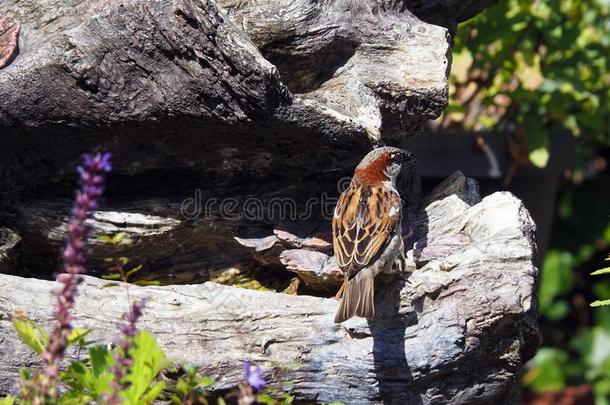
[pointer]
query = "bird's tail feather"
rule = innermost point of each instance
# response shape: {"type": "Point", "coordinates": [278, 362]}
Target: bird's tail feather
{"type": "Point", "coordinates": [358, 297]}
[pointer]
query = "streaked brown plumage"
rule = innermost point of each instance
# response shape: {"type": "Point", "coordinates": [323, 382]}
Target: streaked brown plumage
{"type": "Point", "coordinates": [366, 230]}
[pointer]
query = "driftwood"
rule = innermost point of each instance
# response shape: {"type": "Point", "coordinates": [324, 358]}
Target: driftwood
{"type": "Point", "coordinates": [198, 101]}
{"type": "Point", "coordinates": [205, 101]}
{"type": "Point", "coordinates": [212, 108]}
{"type": "Point", "coordinates": [458, 328]}
{"type": "Point", "coordinates": [183, 86]}
{"type": "Point", "coordinates": [305, 247]}
{"type": "Point", "coordinates": [9, 33]}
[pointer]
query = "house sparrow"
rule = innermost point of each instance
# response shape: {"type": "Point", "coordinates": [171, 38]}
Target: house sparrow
{"type": "Point", "coordinates": [366, 225]}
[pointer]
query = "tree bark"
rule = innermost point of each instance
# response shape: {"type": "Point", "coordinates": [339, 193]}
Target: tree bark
{"type": "Point", "coordinates": [457, 328]}
{"type": "Point", "coordinates": [212, 108]}
{"type": "Point", "coordinates": [177, 85]}
{"type": "Point", "coordinates": [202, 103]}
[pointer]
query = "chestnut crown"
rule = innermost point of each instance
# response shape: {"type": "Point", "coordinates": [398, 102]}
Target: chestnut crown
{"type": "Point", "coordinates": [380, 165]}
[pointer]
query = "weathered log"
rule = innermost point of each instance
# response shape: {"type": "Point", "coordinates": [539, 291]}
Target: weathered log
{"type": "Point", "coordinates": [235, 102]}
{"type": "Point", "coordinates": [171, 248]}
{"type": "Point", "coordinates": [305, 247]}
{"type": "Point", "coordinates": [346, 59]}
{"type": "Point", "coordinates": [457, 329]}
{"type": "Point", "coordinates": [186, 85]}
{"type": "Point", "coordinates": [186, 95]}
{"type": "Point", "coordinates": [9, 33]}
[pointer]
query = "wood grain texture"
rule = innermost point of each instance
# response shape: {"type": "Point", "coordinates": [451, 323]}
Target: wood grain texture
{"type": "Point", "coordinates": [457, 329]}
{"type": "Point", "coordinates": [208, 102]}
{"type": "Point", "coordinates": [171, 85]}
{"type": "Point", "coordinates": [9, 39]}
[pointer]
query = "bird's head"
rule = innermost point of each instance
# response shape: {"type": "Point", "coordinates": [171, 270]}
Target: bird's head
{"type": "Point", "coordinates": [381, 165]}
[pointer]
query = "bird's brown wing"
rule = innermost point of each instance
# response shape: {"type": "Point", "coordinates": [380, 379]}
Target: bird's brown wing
{"type": "Point", "coordinates": [364, 219]}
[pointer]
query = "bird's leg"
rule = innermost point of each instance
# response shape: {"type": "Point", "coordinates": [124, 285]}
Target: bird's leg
{"type": "Point", "coordinates": [339, 294]}
{"type": "Point", "coordinates": [401, 260]}
{"type": "Point", "coordinates": [401, 263]}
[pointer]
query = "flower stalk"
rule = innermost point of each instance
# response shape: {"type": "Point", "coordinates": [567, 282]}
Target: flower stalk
{"type": "Point", "coordinates": [92, 173]}
{"type": "Point", "coordinates": [122, 359]}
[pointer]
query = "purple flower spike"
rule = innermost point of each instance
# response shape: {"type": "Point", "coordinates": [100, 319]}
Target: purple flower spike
{"type": "Point", "coordinates": [75, 254]}
{"type": "Point", "coordinates": [253, 376]}
{"type": "Point", "coordinates": [122, 361]}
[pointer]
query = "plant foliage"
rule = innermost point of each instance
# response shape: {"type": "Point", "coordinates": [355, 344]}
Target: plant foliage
{"type": "Point", "coordinates": [534, 67]}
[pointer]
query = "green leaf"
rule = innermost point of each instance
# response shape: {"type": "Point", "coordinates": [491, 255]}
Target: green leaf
{"type": "Point", "coordinates": [77, 336]}
{"type": "Point", "coordinates": [99, 357]}
{"type": "Point", "coordinates": [147, 282]}
{"type": "Point", "coordinates": [205, 382]}
{"type": "Point", "coordinates": [89, 382]}
{"type": "Point", "coordinates": [110, 285]}
{"type": "Point", "coordinates": [287, 399]}
{"type": "Point", "coordinates": [76, 398]}
{"type": "Point", "coordinates": [556, 277]}
{"type": "Point", "coordinates": [558, 310]}
{"type": "Point", "coordinates": [117, 238]}
{"type": "Point", "coordinates": [122, 238]}
{"type": "Point", "coordinates": [105, 238]}
{"type": "Point", "coordinates": [539, 157]}
{"type": "Point", "coordinates": [31, 334]}
{"type": "Point", "coordinates": [221, 401]}
{"type": "Point", "coordinates": [113, 276]}
{"type": "Point", "coordinates": [605, 270]}
{"type": "Point", "coordinates": [601, 303]}
{"type": "Point", "coordinates": [182, 386]}
{"type": "Point", "coordinates": [266, 399]}
{"type": "Point", "coordinates": [9, 400]}
{"type": "Point", "coordinates": [152, 394]}
{"type": "Point", "coordinates": [547, 370]}
{"type": "Point", "coordinates": [134, 270]}
{"type": "Point", "coordinates": [147, 362]}
{"type": "Point", "coordinates": [25, 374]}
{"type": "Point", "coordinates": [600, 349]}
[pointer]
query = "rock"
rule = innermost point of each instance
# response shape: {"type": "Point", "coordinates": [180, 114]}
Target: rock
{"type": "Point", "coordinates": [318, 271]}
{"type": "Point", "coordinates": [308, 234]}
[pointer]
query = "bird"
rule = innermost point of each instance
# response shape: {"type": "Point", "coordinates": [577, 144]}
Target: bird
{"type": "Point", "coordinates": [367, 231]}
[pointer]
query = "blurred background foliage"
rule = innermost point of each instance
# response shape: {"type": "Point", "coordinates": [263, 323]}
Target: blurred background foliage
{"type": "Point", "coordinates": [534, 65]}
{"type": "Point", "coordinates": [535, 68]}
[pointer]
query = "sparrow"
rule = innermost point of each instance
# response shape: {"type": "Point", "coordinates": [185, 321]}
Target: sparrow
{"type": "Point", "coordinates": [367, 229]}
